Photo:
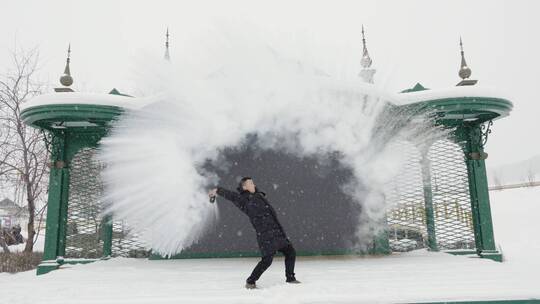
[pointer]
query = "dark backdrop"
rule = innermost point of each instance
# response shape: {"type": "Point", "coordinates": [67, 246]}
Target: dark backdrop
{"type": "Point", "coordinates": [316, 215]}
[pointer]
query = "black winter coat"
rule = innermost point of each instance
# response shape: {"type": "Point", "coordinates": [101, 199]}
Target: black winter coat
{"type": "Point", "coordinates": [270, 234]}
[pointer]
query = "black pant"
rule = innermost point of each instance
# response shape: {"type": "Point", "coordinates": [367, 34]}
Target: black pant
{"type": "Point", "coordinates": [290, 257]}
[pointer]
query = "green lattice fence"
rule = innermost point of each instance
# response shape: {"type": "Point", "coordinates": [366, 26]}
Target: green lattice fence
{"type": "Point", "coordinates": [444, 162]}
{"type": "Point", "coordinates": [451, 199]}
{"type": "Point", "coordinates": [406, 217]}
{"type": "Point", "coordinates": [85, 237]}
{"type": "Point", "coordinates": [84, 218]}
{"type": "Point", "coordinates": [125, 242]}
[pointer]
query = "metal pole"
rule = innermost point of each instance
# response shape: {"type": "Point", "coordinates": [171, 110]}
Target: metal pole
{"type": "Point", "coordinates": [428, 200]}
{"type": "Point", "coordinates": [473, 146]}
{"type": "Point", "coordinates": [57, 179]}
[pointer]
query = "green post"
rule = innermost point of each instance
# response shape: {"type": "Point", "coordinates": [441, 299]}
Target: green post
{"type": "Point", "coordinates": [381, 243]}
{"type": "Point", "coordinates": [62, 223]}
{"type": "Point", "coordinates": [381, 240]}
{"type": "Point", "coordinates": [57, 179]}
{"type": "Point", "coordinates": [473, 137]}
{"type": "Point", "coordinates": [107, 230]}
{"type": "Point", "coordinates": [428, 200]}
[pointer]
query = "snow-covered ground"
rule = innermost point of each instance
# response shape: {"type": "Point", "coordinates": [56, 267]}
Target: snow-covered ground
{"type": "Point", "coordinates": [417, 276]}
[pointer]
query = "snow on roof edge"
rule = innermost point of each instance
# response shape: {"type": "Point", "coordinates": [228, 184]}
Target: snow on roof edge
{"type": "Point", "coordinates": [452, 92]}
{"type": "Point", "coordinates": [83, 98]}
{"type": "Point", "coordinates": [395, 98]}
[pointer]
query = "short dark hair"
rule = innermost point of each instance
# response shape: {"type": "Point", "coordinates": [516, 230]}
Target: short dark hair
{"type": "Point", "coordinates": [245, 178]}
{"type": "Point", "coordinates": [241, 183]}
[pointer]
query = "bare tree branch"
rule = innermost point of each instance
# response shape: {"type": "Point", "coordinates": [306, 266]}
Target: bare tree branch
{"type": "Point", "coordinates": [23, 155]}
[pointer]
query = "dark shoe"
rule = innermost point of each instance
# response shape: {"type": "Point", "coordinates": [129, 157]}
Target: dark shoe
{"type": "Point", "coordinates": [293, 281]}
{"type": "Point", "coordinates": [251, 285]}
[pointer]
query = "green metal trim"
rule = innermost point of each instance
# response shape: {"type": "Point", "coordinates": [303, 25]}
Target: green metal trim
{"type": "Point", "coordinates": [44, 116]}
{"type": "Point", "coordinates": [79, 261]}
{"type": "Point", "coordinates": [461, 252]}
{"type": "Point", "coordinates": [495, 255]}
{"type": "Point", "coordinates": [447, 110]}
{"type": "Point", "coordinates": [417, 87]}
{"type": "Point", "coordinates": [44, 268]}
{"type": "Point", "coordinates": [243, 254]}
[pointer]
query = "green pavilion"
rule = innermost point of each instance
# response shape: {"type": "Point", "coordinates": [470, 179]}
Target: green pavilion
{"type": "Point", "coordinates": [441, 199]}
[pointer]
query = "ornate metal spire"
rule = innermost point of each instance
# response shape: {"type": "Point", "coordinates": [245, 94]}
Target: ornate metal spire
{"type": "Point", "coordinates": [366, 60]}
{"type": "Point", "coordinates": [66, 80]}
{"type": "Point", "coordinates": [464, 70]}
{"type": "Point", "coordinates": [367, 72]}
{"type": "Point", "coordinates": [167, 56]}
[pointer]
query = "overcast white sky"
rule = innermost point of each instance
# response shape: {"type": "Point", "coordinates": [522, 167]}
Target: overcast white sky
{"type": "Point", "coordinates": [410, 41]}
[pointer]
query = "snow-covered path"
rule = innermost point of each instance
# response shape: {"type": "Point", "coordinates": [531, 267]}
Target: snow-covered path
{"type": "Point", "coordinates": [418, 276]}
{"type": "Point", "coordinates": [405, 277]}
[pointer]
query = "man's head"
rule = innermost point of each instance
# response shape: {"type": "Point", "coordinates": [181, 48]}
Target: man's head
{"type": "Point", "coordinates": [246, 183]}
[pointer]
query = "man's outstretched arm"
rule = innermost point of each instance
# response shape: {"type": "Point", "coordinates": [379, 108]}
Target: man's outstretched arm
{"type": "Point", "coordinates": [237, 199]}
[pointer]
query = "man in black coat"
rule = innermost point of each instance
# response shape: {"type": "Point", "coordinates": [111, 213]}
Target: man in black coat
{"type": "Point", "coordinates": [270, 234]}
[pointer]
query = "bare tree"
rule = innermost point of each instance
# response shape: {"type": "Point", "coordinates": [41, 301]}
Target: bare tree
{"type": "Point", "coordinates": [23, 154]}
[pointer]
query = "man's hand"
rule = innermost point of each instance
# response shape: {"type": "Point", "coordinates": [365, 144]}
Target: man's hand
{"type": "Point", "coordinates": [212, 193]}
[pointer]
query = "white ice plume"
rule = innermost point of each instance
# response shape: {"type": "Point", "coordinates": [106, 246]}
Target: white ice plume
{"type": "Point", "coordinates": [234, 83]}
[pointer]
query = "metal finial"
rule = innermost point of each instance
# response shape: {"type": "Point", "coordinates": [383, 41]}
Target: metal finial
{"type": "Point", "coordinates": [464, 71]}
{"type": "Point", "coordinates": [363, 36]}
{"type": "Point", "coordinates": [167, 56]}
{"type": "Point", "coordinates": [366, 60]}
{"type": "Point", "coordinates": [66, 79]}
{"type": "Point", "coordinates": [367, 72]}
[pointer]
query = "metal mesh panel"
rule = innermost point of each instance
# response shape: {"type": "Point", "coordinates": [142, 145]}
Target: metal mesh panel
{"type": "Point", "coordinates": [84, 218]}
{"type": "Point", "coordinates": [125, 242]}
{"type": "Point", "coordinates": [84, 237]}
{"type": "Point", "coordinates": [451, 200]}
{"type": "Point", "coordinates": [407, 218]}
{"type": "Point", "coordinates": [450, 197]}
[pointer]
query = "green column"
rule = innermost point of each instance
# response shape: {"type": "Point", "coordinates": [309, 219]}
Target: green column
{"type": "Point", "coordinates": [57, 180]}
{"type": "Point", "coordinates": [62, 230]}
{"type": "Point", "coordinates": [107, 230]}
{"type": "Point", "coordinates": [425, 164]}
{"type": "Point", "coordinates": [473, 139]}
{"type": "Point", "coordinates": [381, 242]}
